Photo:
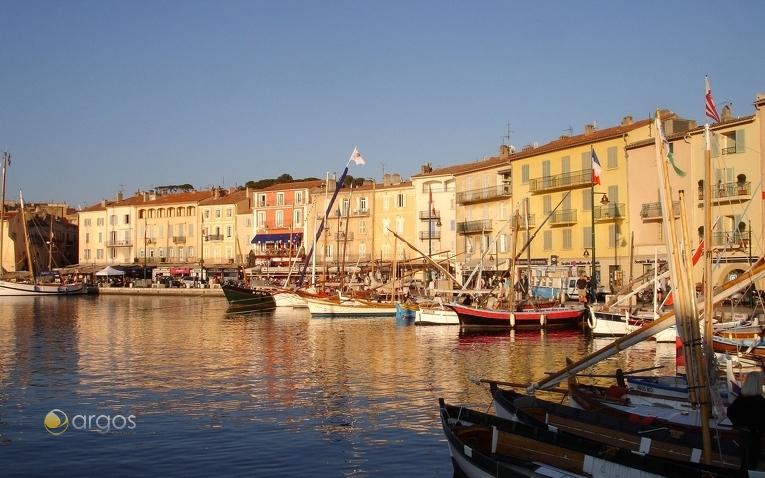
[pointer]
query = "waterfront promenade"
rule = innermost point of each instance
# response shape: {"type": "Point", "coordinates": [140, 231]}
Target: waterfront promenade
{"type": "Point", "coordinates": [169, 291]}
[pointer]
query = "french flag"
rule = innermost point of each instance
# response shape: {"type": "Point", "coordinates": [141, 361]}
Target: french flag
{"type": "Point", "coordinates": [596, 168]}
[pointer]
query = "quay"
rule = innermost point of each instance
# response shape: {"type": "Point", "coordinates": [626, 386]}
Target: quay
{"type": "Point", "coordinates": [169, 291]}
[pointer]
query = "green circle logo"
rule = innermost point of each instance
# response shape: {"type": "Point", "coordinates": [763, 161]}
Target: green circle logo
{"type": "Point", "coordinates": [56, 422]}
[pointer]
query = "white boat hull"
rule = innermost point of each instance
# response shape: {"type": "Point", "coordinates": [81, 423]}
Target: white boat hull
{"type": "Point", "coordinates": [8, 288]}
{"type": "Point", "coordinates": [348, 308]}
{"type": "Point", "coordinates": [289, 299]}
{"type": "Point", "coordinates": [428, 316]}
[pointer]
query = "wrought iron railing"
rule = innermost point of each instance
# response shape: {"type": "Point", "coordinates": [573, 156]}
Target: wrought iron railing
{"type": "Point", "coordinates": [561, 181]}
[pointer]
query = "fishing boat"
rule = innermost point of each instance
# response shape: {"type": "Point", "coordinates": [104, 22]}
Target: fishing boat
{"type": "Point", "coordinates": [529, 319]}
{"type": "Point", "coordinates": [483, 445]}
{"type": "Point", "coordinates": [32, 285]}
{"type": "Point", "coordinates": [436, 314]}
{"type": "Point", "coordinates": [349, 307]}
{"type": "Point", "coordinates": [405, 311]}
{"type": "Point", "coordinates": [242, 299]}
{"type": "Point", "coordinates": [646, 438]}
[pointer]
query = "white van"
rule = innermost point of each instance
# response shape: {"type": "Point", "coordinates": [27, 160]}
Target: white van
{"type": "Point", "coordinates": [572, 293]}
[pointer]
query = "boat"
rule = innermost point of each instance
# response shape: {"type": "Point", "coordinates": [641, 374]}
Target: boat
{"type": "Point", "coordinates": [242, 299]}
{"type": "Point", "coordinates": [349, 307]}
{"type": "Point", "coordinates": [31, 285]}
{"type": "Point", "coordinates": [528, 319]}
{"type": "Point", "coordinates": [607, 323]}
{"type": "Point", "coordinates": [406, 311]}
{"type": "Point", "coordinates": [436, 314]}
{"type": "Point", "coordinates": [483, 445]}
{"type": "Point", "coordinates": [680, 445]}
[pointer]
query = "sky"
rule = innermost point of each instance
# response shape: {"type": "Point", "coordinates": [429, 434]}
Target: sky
{"type": "Point", "coordinates": [100, 97]}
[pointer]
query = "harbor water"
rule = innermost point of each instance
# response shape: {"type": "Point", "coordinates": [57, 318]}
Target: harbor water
{"type": "Point", "coordinates": [175, 386]}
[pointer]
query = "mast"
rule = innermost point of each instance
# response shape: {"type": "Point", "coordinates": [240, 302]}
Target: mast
{"type": "Point", "coordinates": [527, 293]}
{"type": "Point", "coordinates": [50, 243]}
{"type": "Point", "coordinates": [26, 237]}
{"type": "Point", "coordinates": [686, 312]}
{"type": "Point", "coordinates": [6, 160]}
{"type": "Point", "coordinates": [513, 248]}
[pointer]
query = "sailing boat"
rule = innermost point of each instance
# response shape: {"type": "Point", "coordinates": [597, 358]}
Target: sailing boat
{"type": "Point", "coordinates": [32, 287]}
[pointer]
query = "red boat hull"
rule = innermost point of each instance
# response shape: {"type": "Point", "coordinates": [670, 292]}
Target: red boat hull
{"type": "Point", "coordinates": [550, 318]}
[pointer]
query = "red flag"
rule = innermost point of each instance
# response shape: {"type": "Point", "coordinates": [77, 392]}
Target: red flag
{"type": "Point", "coordinates": [711, 109]}
{"type": "Point", "coordinates": [596, 168]}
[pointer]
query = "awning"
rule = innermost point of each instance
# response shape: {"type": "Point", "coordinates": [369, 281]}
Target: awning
{"type": "Point", "coordinates": [263, 238]}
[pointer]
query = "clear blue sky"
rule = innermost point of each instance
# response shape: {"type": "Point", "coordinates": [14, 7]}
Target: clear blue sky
{"type": "Point", "coordinates": [98, 96]}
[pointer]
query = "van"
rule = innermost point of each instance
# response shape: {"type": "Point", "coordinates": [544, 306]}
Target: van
{"type": "Point", "coordinates": [572, 293]}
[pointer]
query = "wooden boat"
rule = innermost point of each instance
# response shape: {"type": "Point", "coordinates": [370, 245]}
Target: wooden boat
{"type": "Point", "coordinates": [483, 445]}
{"type": "Point", "coordinates": [606, 323]}
{"type": "Point", "coordinates": [662, 442]}
{"type": "Point", "coordinates": [241, 299]}
{"type": "Point", "coordinates": [349, 307]}
{"type": "Point", "coordinates": [32, 287]}
{"type": "Point", "coordinates": [754, 347]}
{"type": "Point", "coordinates": [549, 318]}
{"type": "Point", "coordinates": [436, 314]}
{"type": "Point", "coordinates": [406, 311]}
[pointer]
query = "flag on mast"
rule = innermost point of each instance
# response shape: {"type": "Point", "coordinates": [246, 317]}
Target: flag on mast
{"type": "Point", "coordinates": [596, 167]}
{"type": "Point", "coordinates": [356, 157]}
{"type": "Point", "coordinates": [711, 109]}
{"type": "Point", "coordinates": [432, 207]}
{"type": "Point", "coordinates": [667, 149]}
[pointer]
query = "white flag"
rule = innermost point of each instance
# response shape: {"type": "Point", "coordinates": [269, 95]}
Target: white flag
{"type": "Point", "coordinates": [356, 157]}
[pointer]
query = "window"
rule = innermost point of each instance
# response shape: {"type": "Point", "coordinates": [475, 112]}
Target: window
{"type": "Point", "coordinates": [362, 226]}
{"type": "Point", "coordinates": [161, 231]}
{"type": "Point", "coordinates": [279, 218]}
{"type": "Point", "coordinates": [503, 243]}
{"type": "Point", "coordinates": [261, 200]}
{"type": "Point", "coordinates": [87, 222]}
{"type": "Point", "coordinates": [362, 251]}
{"type": "Point", "coordinates": [613, 231]}
{"type": "Point", "coordinates": [229, 253]}
{"type": "Point", "coordinates": [587, 237]}
{"type": "Point", "coordinates": [733, 142]}
{"type": "Point", "coordinates": [298, 197]}
{"type": "Point", "coordinates": [99, 253]}
{"type": "Point", "coordinates": [100, 237]}
{"type": "Point", "coordinates": [229, 231]}
{"type": "Point", "coordinates": [546, 173]}
{"type": "Point", "coordinates": [587, 160]}
{"type": "Point", "coordinates": [548, 240]}
{"type": "Point", "coordinates": [280, 199]}
{"type": "Point", "coordinates": [297, 221]}
{"type": "Point", "coordinates": [126, 219]}
{"type": "Point", "coordinates": [261, 220]}
{"type": "Point", "coordinates": [525, 174]}
{"type": "Point", "coordinates": [567, 238]}
{"type": "Point", "coordinates": [386, 203]}
{"type": "Point", "coordinates": [363, 204]}
{"type": "Point", "coordinates": [191, 230]}
{"type": "Point", "coordinates": [86, 254]}
{"type": "Point", "coordinates": [87, 238]}
{"type": "Point", "coordinates": [400, 200]}
{"type": "Point", "coordinates": [613, 160]}
{"type": "Point", "coordinates": [180, 253]}
{"type": "Point", "coordinates": [191, 251]}
{"type": "Point", "coordinates": [217, 212]}
{"type": "Point", "coordinates": [229, 212]}
{"type": "Point", "coordinates": [206, 214]}
{"type": "Point", "coordinates": [248, 222]}
{"type": "Point", "coordinates": [400, 225]}
{"type": "Point", "coordinates": [586, 200]}
{"type": "Point", "coordinates": [100, 221]}
{"type": "Point", "coordinates": [386, 225]}
{"type": "Point", "coordinates": [161, 251]}
{"type": "Point", "coordinates": [546, 204]}
{"type": "Point", "coordinates": [171, 252]}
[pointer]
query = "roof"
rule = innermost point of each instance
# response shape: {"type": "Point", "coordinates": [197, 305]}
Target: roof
{"type": "Point", "coordinates": [311, 183]}
{"type": "Point", "coordinates": [228, 198]}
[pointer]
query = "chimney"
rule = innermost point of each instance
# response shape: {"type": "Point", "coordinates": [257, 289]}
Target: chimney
{"type": "Point", "coordinates": [103, 203]}
{"type": "Point", "coordinates": [231, 189]}
{"type": "Point", "coordinates": [119, 197]}
{"type": "Point", "coordinates": [396, 178]}
{"type": "Point", "coordinates": [627, 121]}
{"type": "Point", "coordinates": [146, 196]}
{"type": "Point", "coordinates": [386, 179]}
{"type": "Point", "coordinates": [426, 168]}
{"type": "Point", "coordinates": [726, 114]}
{"type": "Point", "coordinates": [152, 195]}
{"type": "Point", "coordinates": [216, 193]}
{"type": "Point", "coordinates": [589, 129]}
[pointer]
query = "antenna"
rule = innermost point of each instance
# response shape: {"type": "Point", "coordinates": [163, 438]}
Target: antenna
{"type": "Point", "coordinates": [570, 130]}
{"type": "Point", "coordinates": [122, 188]}
{"type": "Point", "coordinates": [383, 167]}
{"type": "Point", "coordinates": [507, 136]}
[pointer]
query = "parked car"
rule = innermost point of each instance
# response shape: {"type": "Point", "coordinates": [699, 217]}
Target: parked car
{"type": "Point", "coordinates": [189, 282]}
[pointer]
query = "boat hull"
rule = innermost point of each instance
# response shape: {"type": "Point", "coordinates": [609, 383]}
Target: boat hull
{"type": "Point", "coordinates": [241, 299]}
{"type": "Point", "coordinates": [8, 288]}
{"type": "Point", "coordinates": [436, 316]}
{"type": "Point", "coordinates": [349, 308]}
{"type": "Point", "coordinates": [550, 318]}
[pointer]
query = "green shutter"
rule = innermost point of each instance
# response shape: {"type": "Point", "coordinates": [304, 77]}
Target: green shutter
{"type": "Point", "coordinates": [740, 143]}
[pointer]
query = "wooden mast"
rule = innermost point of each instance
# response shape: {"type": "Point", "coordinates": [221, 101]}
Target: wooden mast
{"type": "Point", "coordinates": [26, 237]}
{"type": "Point", "coordinates": [3, 228]}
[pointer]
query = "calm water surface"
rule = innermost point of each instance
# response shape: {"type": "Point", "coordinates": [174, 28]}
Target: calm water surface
{"type": "Point", "coordinates": [275, 394]}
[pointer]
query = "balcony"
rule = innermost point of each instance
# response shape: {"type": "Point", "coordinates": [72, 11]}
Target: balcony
{"type": "Point", "coordinates": [653, 210]}
{"type": "Point", "coordinates": [430, 235]}
{"type": "Point", "coordinates": [731, 239]}
{"type": "Point", "coordinates": [341, 236]}
{"type": "Point", "coordinates": [214, 237]}
{"type": "Point", "coordinates": [179, 239]}
{"type": "Point", "coordinates": [119, 243]}
{"type": "Point", "coordinates": [561, 181]}
{"type": "Point", "coordinates": [429, 215]}
{"type": "Point", "coordinates": [360, 212]}
{"type": "Point", "coordinates": [611, 212]}
{"type": "Point", "coordinates": [483, 194]}
{"type": "Point", "coordinates": [565, 217]}
{"type": "Point", "coordinates": [474, 227]}
{"type": "Point", "coordinates": [531, 221]}
{"type": "Point", "coordinates": [151, 240]}
{"type": "Point", "coordinates": [729, 190]}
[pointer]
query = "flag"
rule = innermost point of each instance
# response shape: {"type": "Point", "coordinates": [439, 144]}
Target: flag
{"type": "Point", "coordinates": [432, 207]}
{"type": "Point", "coordinates": [596, 168]}
{"type": "Point", "coordinates": [356, 157]}
{"type": "Point", "coordinates": [667, 151]}
{"type": "Point", "coordinates": [679, 355]}
{"type": "Point", "coordinates": [711, 110]}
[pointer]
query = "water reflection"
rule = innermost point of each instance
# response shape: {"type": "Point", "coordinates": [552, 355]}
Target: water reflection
{"type": "Point", "coordinates": [218, 393]}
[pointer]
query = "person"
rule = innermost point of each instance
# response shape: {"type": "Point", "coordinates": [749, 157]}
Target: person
{"type": "Point", "coordinates": [720, 188]}
{"type": "Point", "coordinates": [581, 288]}
{"type": "Point", "coordinates": [748, 413]}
